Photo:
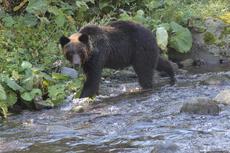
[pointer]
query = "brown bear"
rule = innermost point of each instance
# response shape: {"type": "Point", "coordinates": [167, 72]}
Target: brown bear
{"type": "Point", "coordinates": [117, 45]}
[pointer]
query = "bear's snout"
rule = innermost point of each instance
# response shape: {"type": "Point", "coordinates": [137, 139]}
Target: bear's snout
{"type": "Point", "coordinates": [76, 60]}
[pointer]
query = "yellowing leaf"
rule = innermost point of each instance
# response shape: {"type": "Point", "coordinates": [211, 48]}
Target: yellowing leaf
{"type": "Point", "coordinates": [2, 93]}
{"type": "Point", "coordinates": [225, 17]}
{"type": "Point", "coordinates": [162, 38]}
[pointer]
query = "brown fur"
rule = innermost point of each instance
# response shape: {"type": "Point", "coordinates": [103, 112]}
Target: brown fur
{"type": "Point", "coordinates": [117, 45]}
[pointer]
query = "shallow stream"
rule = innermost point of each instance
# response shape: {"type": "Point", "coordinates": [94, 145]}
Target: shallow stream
{"type": "Point", "coordinates": [128, 123]}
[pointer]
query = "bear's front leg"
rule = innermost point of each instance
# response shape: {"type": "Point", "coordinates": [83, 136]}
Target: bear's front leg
{"type": "Point", "coordinates": [93, 78]}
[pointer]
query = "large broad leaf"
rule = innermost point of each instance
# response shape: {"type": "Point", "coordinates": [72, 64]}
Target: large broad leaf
{"type": "Point", "coordinates": [37, 7]}
{"type": "Point", "coordinates": [2, 93]}
{"type": "Point", "coordinates": [162, 38]}
{"type": "Point", "coordinates": [29, 96]}
{"type": "Point", "coordinates": [13, 85]}
{"type": "Point", "coordinates": [181, 38]}
{"type": "Point", "coordinates": [30, 20]}
{"type": "Point", "coordinates": [28, 83]}
{"type": "Point", "coordinates": [60, 20]}
{"type": "Point", "coordinates": [57, 93]}
{"type": "Point", "coordinates": [165, 25]}
{"type": "Point", "coordinates": [11, 98]}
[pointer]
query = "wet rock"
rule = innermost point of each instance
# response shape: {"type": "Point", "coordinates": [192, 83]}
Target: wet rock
{"type": "Point", "coordinates": [78, 109]}
{"type": "Point", "coordinates": [214, 26]}
{"type": "Point", "coordinates": [166, 148]}
{"type": "Point", "coordinates": [174, 66]}
{"type": "Point", "coordinates": [42, 104]}
{"type": "Point", "coordinates": [200, 105]}
{"type": "Point", "coordinates": [187, 62]}
{"type": "Point", "coordinates": [72, 73]}
{"type": "Point", "coordinates": [79, 105]}
{"type": "Point", "coordinates": [223, 97]}
{"type": "Point", "coordinates": [216, 152]}
{"type": "Point", "coordinates": [216, 80]}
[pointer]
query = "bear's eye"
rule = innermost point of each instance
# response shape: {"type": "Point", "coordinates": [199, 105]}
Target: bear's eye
{"type": "Point", "coordinates": [69, 55]}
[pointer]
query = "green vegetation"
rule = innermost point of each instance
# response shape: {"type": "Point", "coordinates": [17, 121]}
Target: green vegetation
{"type": "Point", "coordinates": [209, 38]}
{"type": "Point", "coordinates": [30, 30]}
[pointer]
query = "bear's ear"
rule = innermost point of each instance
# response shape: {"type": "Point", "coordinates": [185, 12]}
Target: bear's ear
{"type": "Point", "coordinates": [64, 40]}
{"type": "Point", "coordinates": [84, 38]}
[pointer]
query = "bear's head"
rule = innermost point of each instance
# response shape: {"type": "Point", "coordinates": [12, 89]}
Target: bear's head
{"type": "Point", "coordinates": [76, 48]}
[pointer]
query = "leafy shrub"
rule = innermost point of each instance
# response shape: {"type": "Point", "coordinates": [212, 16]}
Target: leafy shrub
{"type": "Point", "coordinates": [32, 83]}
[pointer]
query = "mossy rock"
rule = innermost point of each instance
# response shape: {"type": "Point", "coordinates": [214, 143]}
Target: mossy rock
{"type": "Point", "coordinates": [226, 30]}
{"type": "Point", "coordinates": [209, 38]}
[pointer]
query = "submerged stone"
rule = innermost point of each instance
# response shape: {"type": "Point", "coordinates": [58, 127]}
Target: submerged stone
{"type": "Point", "coordinates": [223, 97]}
{"type": "Point", "coordinates": [216, 80]}
{"type": "Point", "coordinates": [187, 62]}
{"type": "Point", "coordinates": [166, 148]}
{"type": "Point", "coordinates": [78, 109]}
{"type": "Point", "coordinates": [200, 105]}
{"type": "Point", "coordinates": [39, 105]}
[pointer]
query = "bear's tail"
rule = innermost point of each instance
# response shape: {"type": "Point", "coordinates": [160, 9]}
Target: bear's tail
{"type": "Point", "coordinates": [165, 66]}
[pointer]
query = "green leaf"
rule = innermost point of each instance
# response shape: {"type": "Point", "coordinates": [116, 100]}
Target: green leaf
{"type": "Point", "coordinates": [30, 20]}
{"type": "Point", "coordinates": [28, 83]}
{"type": "Point", "coordinates": [3, 109]}
{"type": "Point", "coordinates": [2, 93]}
{"type": "Point", "coordinates": [11, 98]}
{"type": "Point", "coordinates": [181, 38]}
{"type": "Point", "coordinates": [57, 93]}
{"type": "Point", "coordinates": [75, 85]}
{"type": "Point", "coordinates": [37, 7]}
{"type": "Point", "coordinates": [59, 76]}
{"type": "Point", "coordinates": [124, 16]}
{"type": "Point", "coordinates": [8, 21]}
{"type": "Point", "coordinates": [44, 20]}
{"type": "Point", "coordinates": [165, 25]}
{"type": "Point", "coordinates": [81, 4]}
{"type": "Point", "coordinates": [162, 38]}
{"type": "Point", "coordinates": [26, 65]}
{"type": "Point", "coordinates": [176, 27]}
{"type": "Point", "coordinates": [13, 85]}
{"type": "Point", "coordinates": [29, 96]}
{"type": "Point", "coordinates": [60, 20]}
{"type": "Point", "coordinates": [54, 10]}
{"type": "Point", "coordinates": [36, 92]}
{"type": "Point", "coordinates": [139, 17]}
{"type": "Point", "coordinates": [103, 4]}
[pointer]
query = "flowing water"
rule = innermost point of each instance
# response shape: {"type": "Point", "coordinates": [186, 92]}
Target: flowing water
{"type": "Point", "coordinates": [129, 123]}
